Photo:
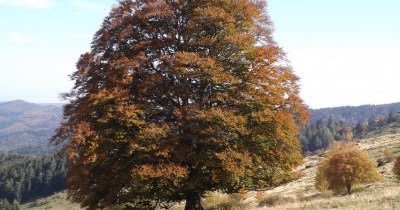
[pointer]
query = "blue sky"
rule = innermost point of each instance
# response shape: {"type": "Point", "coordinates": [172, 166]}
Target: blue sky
{"type": "Point", "coordinates": [345, 51]}
{"type": "Point", "coordinates": [40, 42]}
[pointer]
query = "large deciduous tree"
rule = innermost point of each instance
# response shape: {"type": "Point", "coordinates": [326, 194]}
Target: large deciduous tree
{"type": "Point", "coordinates": [180, 97]}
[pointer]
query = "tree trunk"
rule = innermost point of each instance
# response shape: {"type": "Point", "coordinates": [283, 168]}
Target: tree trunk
{"type": "Point", "coordinates": [193, 201]}
{"type": "Point", "coordinates": [348, 186]}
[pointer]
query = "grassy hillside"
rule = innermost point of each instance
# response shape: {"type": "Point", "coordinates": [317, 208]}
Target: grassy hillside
{"type": "Point", "coordinates": [299, 194]}
{"type": "Point", "coordinates": [26, 126]}
{"type": "Point", "coordinates": [57, 202]}
{"type": "Point", "coordinates": [384, 194]}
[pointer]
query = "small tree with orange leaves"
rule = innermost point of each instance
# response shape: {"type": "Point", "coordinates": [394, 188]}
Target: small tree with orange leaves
{"type": "Point", "coordinates": [396, 167]}
{"type": "Point", "coordinates": [345, 166]}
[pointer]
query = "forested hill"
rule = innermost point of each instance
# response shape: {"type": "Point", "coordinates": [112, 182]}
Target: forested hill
{"type": "Point", "coordinates": [23, 177]}
{"type": "Point", "coordinates": [27, 126]}
{"type": "Point", "coordinates": [346, 123]}
{"type": "Point", "coordinates": [351, 115]}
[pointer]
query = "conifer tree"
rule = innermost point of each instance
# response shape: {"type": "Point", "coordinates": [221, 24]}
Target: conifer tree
{"type": "Point", "coordinates": [177, 98]}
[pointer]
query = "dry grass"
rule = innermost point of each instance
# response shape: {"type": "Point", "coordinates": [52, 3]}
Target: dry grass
{"type": "Point", "coordinates": [301, 193]}
{"type": "Point", "coordinates": [384, 194]}
{"type": "Point", "coordinates": [373, 199]}
{"type": "Point", "coordinates": [57, 202]}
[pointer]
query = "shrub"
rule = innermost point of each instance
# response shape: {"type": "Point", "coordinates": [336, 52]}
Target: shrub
{"type": "Point", "coordinates": [221, 201]}
{"type": "Point", "coordinates": [345, 166]}
{"type": "Point", "coordinates": [274, 200]}
{"type": "Point", "coordinates": [230, 205]}
{"type": "Point", "coordinates": [388, 156]}
{"type": "Point", "coordinates": [213, 199]}
{"type": "Point", "coordinates": [239, 196]}
{"type": "Point", "coordinates": [261, 195]}
{"type": "Point", "coordinates": [396, 167]}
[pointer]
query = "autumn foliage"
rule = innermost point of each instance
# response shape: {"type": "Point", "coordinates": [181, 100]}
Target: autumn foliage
{"type": "Point", "coordinates": [344, 167]}
{"type": "Point", "coordinates": [177, 98]}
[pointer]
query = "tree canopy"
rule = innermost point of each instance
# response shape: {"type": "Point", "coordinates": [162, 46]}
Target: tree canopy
{"type": "Point", "coordinates": [344, 167]}
{"type": "Point", "coordinates": [180, 97]}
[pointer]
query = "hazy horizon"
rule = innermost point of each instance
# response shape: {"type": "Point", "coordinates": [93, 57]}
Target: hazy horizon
{"type": "Point", "coordinates": [345, 52]}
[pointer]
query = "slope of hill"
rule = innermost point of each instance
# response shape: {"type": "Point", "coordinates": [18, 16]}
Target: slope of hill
{"type": "Point", "coordinates": [299, 194]}
{"type": "Point", "coordinates": [27, 126]}
{"type": "Point", "coordinates": [385, 194]}
{"type": "Point", "coordinates": [19, 121]}
{"type": "Point", "coordinates": [57, 202]}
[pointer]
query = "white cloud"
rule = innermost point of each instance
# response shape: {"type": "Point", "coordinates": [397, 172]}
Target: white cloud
{"type": "Point", "coordinates": [36, 4]}
{"type": "Point", "coordinates": [20, 38]}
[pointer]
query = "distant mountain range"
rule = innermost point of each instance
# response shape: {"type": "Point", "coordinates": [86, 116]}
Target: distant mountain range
{"type": "Point", "coordinates": [27, 126]}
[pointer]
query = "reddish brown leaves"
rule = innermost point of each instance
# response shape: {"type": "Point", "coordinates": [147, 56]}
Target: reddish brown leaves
{"type": "Point", "coordinates": [181, 97]}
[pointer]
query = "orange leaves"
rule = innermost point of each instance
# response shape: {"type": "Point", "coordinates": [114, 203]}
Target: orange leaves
{"type": "Point", "coordinates": [235, 162]}
{"type": "Point", "coordinates": [234, 12]}
{"type": "Point", "coordinates": [155, 131]}
{"type": "Point", "coordinates": [186, 96]}
{"type": "Point", "coordinates": [84, 137]}
{"type": "Point", "coordinates": [222, 120]}
{"type": "Point", "coordinates": [157, 8]}
{"type": "Point", "coordinates": [192, 66]}
{"type": "Point", "coordinates": [344, 167]}
{"type": "Point", "coordinates": [159, 171]}
{"type": "Point", "coordinates": [214, 16]}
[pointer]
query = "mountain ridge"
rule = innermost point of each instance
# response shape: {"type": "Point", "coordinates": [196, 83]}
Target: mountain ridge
{"type": "Point", "coordinates": [24, 124]}
{"type": "Point", "coordinates": [352, 115]}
